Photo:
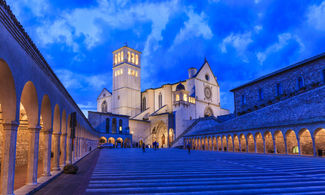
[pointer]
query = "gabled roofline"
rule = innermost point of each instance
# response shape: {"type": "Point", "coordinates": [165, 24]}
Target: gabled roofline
{"type": "Point", "coordinates": [139, 52]}
{"type": "Point", "coordinates": [102, 92]}
{"type": "Point", "coordinates": [290, 67]}
{"type": "Point", "coordinates": [205, 62]}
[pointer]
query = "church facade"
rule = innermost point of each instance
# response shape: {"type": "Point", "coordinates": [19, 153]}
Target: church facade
{"type": "Point", "coordinates": [157, 114]}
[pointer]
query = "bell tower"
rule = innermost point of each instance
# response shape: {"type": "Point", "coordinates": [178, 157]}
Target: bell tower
{"type": "Point", "coordinates": [126, 98]}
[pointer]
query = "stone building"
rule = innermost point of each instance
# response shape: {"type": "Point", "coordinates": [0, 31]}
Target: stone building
{"type": "Point", "coordinates": [159, 114]}
{"type": "Point", "coordinates": [282, 113]}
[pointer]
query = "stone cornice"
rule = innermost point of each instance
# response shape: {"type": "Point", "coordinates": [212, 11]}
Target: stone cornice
{"type": "Point", "coordinates": [14, 27]}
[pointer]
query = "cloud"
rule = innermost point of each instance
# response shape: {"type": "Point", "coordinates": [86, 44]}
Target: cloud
{"type": "Point", "coordinates": [195, 26]}
{"type": "Point", "coordinates": [72, 80]}
{"type": "Point", "coordinates": [316, 15]}
{"type": "Point", "coordinates": [35, 7]}
{"type": "Point", "coordinates": [237, 41]}
{"type": "Point", "coordinates": [283, 40]}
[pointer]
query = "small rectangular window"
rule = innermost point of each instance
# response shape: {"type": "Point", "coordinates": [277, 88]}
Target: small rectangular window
{"type": "Point", "coordinates": [243, 100]}
{"type": "Point", "coordinates": [260, 94]}
{"type": "Point", "coordinates": [278, 89]}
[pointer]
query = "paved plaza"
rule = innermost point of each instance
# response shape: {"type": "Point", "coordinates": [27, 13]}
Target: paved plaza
{"type": "Point", "coordinates": [172, 171]}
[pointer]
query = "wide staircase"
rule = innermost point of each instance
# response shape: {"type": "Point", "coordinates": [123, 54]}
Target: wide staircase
{"type": "Point", "coordinates": [174, 171]}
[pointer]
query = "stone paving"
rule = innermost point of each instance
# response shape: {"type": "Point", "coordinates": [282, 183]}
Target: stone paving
{"type": "Point", "coordinates": [174, 171]}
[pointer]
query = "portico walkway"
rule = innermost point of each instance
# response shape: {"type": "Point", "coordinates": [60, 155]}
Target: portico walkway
{"type": "Point", "coordinates": [175, 171]}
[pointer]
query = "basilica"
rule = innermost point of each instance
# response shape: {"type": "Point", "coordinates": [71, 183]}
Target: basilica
{"type": "Point", "coordinates": [131, 117]}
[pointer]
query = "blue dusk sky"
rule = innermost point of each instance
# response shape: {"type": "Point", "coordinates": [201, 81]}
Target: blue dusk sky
{"type": "Point", "coordinates": [242, 40]}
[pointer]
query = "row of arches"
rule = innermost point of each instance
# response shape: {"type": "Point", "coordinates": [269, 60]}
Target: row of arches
{"type": "Point", "coordinates": [118, 142]}
{"type": "Point", "coordinates": [35, 134]}
{"type": "Point", "coordinates": [301, 142]}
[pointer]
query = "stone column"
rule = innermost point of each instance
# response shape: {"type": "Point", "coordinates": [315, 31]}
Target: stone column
{"type": "Point", "coordinates": [56, 156]}
{"type": "Point", "coordinates": [32, 161]}
{"type": "Point", "coordinates": [64, 152]}
{"type": "Point", "coordinates": [47, 134]}
{"type": "Point", "coordinates": [233, 145]}
{"type": "Point", "coordinates": [285, 145]}
{"type": "Point", "coordinates": [8, 157]}
{"type": "Point", "coordinates": [264, 145]}
{"type": "Point", "coordinates": [255, 145]}
{"type": "Point", "coordinates": [221, 144]}
{"type": "Point", "coordinates": [274, 145]}
{"type": "Point", "coordinates": [299, 150]}
{"type": "Point", "coordinates": [76, 149]}
{"type": "Point", "coordinates": [239, 145]}
{"type": "Point", "coordinates": [314, 146]}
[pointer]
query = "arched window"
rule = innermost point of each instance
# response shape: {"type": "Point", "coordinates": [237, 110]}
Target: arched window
{"type": "Point", "coordinates": [114, 125]}
{"type": "Point", "coordinates": [115, 59]}
{"type": "Point", "coordinates": [300, 82]}
{"type": "Point", "coordinates": [122, 56]}
{"type": "Point", "coordinates": [177, 97]}
{"type": "Point", "coordinates": [107, 125]}
{"type": "Point", "coordinates": [136, 59]}
{"type": "Point", "coordinates": [160, 100]}
{"type": "Point", "coordinates": [208, 112]}
{"type": "Point", "coordinates": [185, 97]}
{"type": "Point", "coordinates": [132, 58]}
{"type": "Point", "coordinates": [119, 58]}
{"type": "Point", "coordinates": [144, 102]}
{"type": "Point", "coordinates": [129, 56]}
{"type": "Point", "coordinates": [120, 126]}
{"type": "Point", "coordinates": [104, 106]}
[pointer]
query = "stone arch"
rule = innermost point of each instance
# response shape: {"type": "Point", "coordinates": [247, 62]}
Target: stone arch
{"type": "Point", "coordinates": [259, 142]}
{"type": "Point", "coordinates": [119, 142]}
{"type": "Point", "coordinates": [292, 143]}
{"type": "Point", "coordinates": [104, 106]}
{"type": "Point", "coordinates": [111, 140]}
{"type": "Point", "coordinates": [306, 142]}
{"type": "Point", "coordinates": [250, 142]}
{"type": "Point", "coordinates": [8, 98]}
{"type": "Point", "coordinates": [243, 143]}
{"type": "Point", "coordinates": [159, 134]}
{"type": "Point", "coordinates": [210, 143]}
{"type": "Point", "coordinates": [46, 127]}
{"type": "Point", "coordinates": [319, 138]}
{"type": "Point", "coordinates": [236, 143]}
{"type": "Point", "coordinates": [206, 146]}
{"type": "Point", "coordinates": [269, 147]}
{"type": "Point", "coordinates": [219, 146]}
{"type": "Point", "coordinates": [56, 119]}
{"type": "Point", "coordinates": [27, 137]}
{"type": "Point", "coordinates": [208, 112]}
{"type": "Point", "coordinates": [214, 143]}
{"type": "Point", "coordinates": [230, 144]}
{"type": "Point", "coordinates": [102, 140]}
{"type": "Point", "coordinates": [224, 143]}
{"type": "Point", "coordinates": [279, 142]}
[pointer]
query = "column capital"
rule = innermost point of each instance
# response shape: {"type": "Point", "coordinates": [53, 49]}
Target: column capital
{"type": "Point", "coordinates": [64, 134]}
{"type": "Point", "coordinates": [49, 131]}
{"type": "Point", "coordinates": [11, 126]}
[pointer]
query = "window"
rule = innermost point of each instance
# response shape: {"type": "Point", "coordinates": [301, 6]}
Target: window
{"type": "Point", "coordinates": [160, 100]}
{"type": "Point", "coordinates": [136, 59]}
{"type": "Point", "coordinates": [107, 125]}
{"type": "Point", "coordinates": [207, 77]}
{"type": "Point", "coordinates": [114, 125]}
{"type": "Point", "coordinates": [136, 73]}
{"type": "Point", "coordinates": [104, 106]}
{"type": "Point", "coordinates": [278, 89]}
{"type": "Point", "coordinates": [243, 100]}
{"type": "Point", "coordinates": [115, 58]}
{"type": "Point", "coordinates": [260, 94]}
{"type": "Point", "coordinates": [129, 56]}
{"type": "Point", "coordinates": [324, 76]}
{"type": "Point", "coordinates": [122, 56]}
{"type": "Point", "coordinates": [177, 97]}
{"type": "Point", "coordinates": [185, 97]}
{"type": "Point", "coordinates": [144, 104]}
{"type": "Point", "coordinates": [300, 82]}
{"type": "Point", "coordinates": [119, 58]}
{"type": "Point", "coordinates": [132, 58]}
{"type": "Point", "coordinates": [120, 126]}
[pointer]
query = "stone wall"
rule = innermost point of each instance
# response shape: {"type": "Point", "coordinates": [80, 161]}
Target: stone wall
{"type": "Point", "coordinates": [22, 146]}
{"type": "Point", "coordinates": [311, 72]}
